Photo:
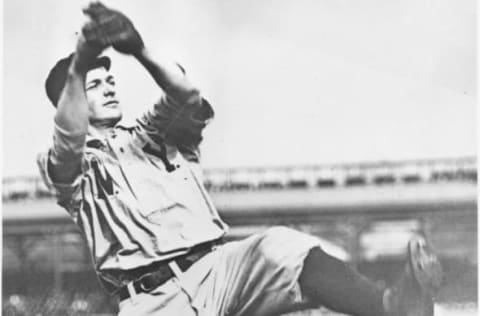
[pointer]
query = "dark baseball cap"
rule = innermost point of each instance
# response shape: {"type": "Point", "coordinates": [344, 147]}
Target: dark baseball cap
{"type": "Point", "coordinates": [58, 75]}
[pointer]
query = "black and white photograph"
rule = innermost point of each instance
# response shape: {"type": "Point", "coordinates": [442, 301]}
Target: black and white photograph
{"type": "Point", "coordinates": [239, 158]}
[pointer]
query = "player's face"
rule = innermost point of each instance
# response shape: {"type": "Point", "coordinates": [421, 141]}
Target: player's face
{"type": "Point", "coordinates": [104, 108]}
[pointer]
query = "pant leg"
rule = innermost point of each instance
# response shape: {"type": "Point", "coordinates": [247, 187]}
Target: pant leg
{"type": "Point", "coordinates": [257, 276]}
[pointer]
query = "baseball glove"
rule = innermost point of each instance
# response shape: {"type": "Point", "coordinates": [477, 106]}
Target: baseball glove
{"type": "Point", "coordinates": [109, 27]}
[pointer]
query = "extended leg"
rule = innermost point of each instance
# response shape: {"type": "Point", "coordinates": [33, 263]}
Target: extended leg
{"type": "Point", "coordinates": [333, 284]}
{"type": "Point", "coordinates": [330, 282]}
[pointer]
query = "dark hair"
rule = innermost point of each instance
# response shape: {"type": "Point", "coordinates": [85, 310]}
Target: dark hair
{"type": "Point", "coordinates": [58, 75]}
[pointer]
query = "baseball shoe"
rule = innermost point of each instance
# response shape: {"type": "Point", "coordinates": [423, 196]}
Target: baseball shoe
{"type": "Point", "coordinates": [412, 294]}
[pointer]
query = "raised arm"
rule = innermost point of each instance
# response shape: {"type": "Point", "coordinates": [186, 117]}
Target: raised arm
{"type": "Point", "coordinates": [168, 75]}
{"type": "Point", "coordinates": [113, 27]}
{"type": "Point", "coordinates": [71, 118]}
{"type": "Point", "coordinates": [179, 117]}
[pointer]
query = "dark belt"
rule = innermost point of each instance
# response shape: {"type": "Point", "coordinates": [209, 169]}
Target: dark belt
{"type": "Point", "coordinates": [159, 273]}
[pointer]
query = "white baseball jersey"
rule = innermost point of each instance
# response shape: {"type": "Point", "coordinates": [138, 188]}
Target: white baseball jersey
{"type": "Point", "coordinates": [140, 197]}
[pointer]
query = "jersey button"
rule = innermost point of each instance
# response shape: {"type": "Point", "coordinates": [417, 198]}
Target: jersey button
{"type": "Point", "coordinates": [121, 149]}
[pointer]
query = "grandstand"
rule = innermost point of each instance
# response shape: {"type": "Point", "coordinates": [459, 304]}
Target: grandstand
{"type": "Point", "coordinates": [367, 210]}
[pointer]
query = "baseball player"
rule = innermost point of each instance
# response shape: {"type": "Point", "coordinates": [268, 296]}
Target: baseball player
{"type": "Point", "coordinates": [155, 236]}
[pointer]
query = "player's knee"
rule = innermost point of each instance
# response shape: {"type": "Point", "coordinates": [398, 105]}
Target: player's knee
{"type": "Point", "coordinates": [279, 235]}
{"type": "Point", "coordinates": [277, 243]}
{"type": "Point", "coordinates": [279, 232]}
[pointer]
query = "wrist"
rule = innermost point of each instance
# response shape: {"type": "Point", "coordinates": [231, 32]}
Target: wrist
{"type": "Point", "coordinates": [141, 54]}
{"type": "Point", "coordinates": [80, 62]}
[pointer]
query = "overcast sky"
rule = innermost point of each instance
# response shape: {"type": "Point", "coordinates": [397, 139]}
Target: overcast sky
{"type": "Point", "coordinates": [292, 81]}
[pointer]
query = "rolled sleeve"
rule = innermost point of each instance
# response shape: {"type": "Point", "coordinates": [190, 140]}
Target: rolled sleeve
{"type": "Point", "coordinates": [179, 124]}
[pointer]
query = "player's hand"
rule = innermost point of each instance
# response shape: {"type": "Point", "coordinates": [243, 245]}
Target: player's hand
{"type": "Point", "coordinates": [109, 27]}
{"type": "Point", "coordinates": [86, 51]}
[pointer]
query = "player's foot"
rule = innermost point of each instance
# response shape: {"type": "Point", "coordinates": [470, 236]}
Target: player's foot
{"type": "Point", "coordinates": [412, 295]}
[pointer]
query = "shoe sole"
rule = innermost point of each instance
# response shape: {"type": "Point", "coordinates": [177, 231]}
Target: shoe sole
{"type": "Point", "coordinates": [424, 264]}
